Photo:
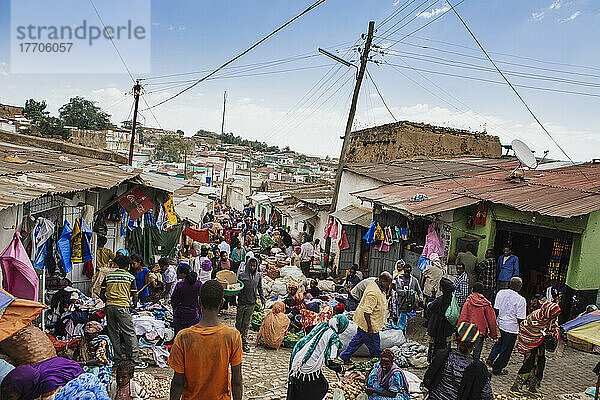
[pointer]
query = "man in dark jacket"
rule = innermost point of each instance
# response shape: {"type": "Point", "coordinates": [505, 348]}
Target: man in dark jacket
{"type": "Point", "coordinates": [454, 375]}
{"type": "Point", "coordinates": [252, 280]}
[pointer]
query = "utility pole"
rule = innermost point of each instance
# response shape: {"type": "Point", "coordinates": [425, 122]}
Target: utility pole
{"type": "Point", "coordinates": [184, 158]}
{"type": "Point", "coordinates": [250, 168]}
{"type": "Point", "coordinates": [342, 162]}
{"type": "Point", "coordinates": [137, 89]}
{"type": "Point", "coordinates": [224, 176]}
{"type": "Point", "coordinates": [223, 120]}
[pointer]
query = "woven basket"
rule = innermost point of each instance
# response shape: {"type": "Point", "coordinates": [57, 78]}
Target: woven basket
{"type": "Point", "coordinates": [28, 346]}
{"type": "Point", "coordinates": [226, 277]}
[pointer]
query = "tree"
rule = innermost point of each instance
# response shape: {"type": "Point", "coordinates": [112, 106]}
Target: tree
{"type": "Point", "coordinates": [169, 148]}
{"type": "Point", "coordinates": [84, 114]}
{"type": "Point", "coordinates": [180, 133]}
{"type": "Point", "coordinates": [52, 127]}
{"type": "Point", "coordinates": [34, 110]}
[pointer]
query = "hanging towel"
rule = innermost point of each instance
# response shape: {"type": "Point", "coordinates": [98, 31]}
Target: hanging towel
{"type": "Point", "coordinates": [20, 278]}
{"type": "Point", "coordinates": [343, 243]}
{"type": "Point", "coordinates": [64, 247]}
{"type": "Point", "coordinates": [387, 236]}
{"type": "Point", "coordinates": [370, 235]}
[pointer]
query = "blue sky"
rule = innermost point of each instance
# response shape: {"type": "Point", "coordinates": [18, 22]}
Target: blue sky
{"type": "Point", "coordinates": [200, 35]}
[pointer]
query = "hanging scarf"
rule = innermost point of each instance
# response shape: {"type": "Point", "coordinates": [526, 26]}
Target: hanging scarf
{"type": "Point", "coordinates": [311, 352]}
{"type": "Point", "coordinates": [370, 235]}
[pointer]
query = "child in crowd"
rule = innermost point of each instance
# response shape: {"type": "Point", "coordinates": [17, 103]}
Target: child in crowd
{"type": "Point", "coordinates": [125, 388]}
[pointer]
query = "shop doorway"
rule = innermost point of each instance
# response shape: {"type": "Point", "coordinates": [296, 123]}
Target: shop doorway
{"type": "Point", "coordinates": [543, 255]}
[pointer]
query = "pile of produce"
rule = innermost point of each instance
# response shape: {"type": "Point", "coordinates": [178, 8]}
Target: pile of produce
{"type": "Point", "coordinates": [498, 396]}
{"type": "Point", "coordinates": [157, 387]}
{"type": "Point", "coordinates": [410, 354]}
{"type": "Point", "coordinates": [352, 385]}
{"type": "Point", "coordinates": [258, 317]}
{"type": "Point", "coordinates": [366, 366]}
{"type": "Point", "coordinates": [290, 339]}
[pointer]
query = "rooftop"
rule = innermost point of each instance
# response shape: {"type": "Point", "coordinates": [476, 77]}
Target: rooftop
{"type": "Point", "coordinates": [553, 189]}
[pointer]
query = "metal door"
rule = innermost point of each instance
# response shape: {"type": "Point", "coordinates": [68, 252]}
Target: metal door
{"type": "Point", "coordinates": [347, 256]}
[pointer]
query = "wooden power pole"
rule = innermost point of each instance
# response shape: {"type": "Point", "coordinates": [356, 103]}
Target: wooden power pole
{"type": "Point", "coordinates": [137, 89]}
{"type": "Point", "coordinates": [222, 132]}
{"type": "Point", "coordinates": [223, 120]}
{"type": "Point", "coordinates": [342, 162]}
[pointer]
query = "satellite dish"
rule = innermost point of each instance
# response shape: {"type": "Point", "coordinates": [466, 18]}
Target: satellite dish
{"type": "Point", "coordinates": [524, 154]}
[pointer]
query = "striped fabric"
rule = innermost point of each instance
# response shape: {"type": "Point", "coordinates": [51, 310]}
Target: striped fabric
{"type": "Point", "coordinates": [467, 332]}
{"type": "Point", "coordinates": [541, 322]}
{"type": "Point", "coordinates": [118, 288]}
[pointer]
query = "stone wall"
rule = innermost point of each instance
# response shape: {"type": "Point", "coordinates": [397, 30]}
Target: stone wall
{"type": "Point", "coordinates": [88, 138]}
{"type": "Point", "coordinates": [394, 141]}
{"type": "Point", "coordinates": [7, 111]}
{"type": "Point", "coordinates": [59, 145]}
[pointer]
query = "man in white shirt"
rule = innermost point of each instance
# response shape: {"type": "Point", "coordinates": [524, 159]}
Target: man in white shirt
{"type": "Point", "coordinates": [511, 308]}
{"type": "Point", "coordinates": [307, 253]}
{"type": "Point", "coordinates": [224, 246]}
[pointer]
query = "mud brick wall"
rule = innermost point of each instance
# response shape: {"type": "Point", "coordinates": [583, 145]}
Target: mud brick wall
{"type": "Point", "coordinates": [394, 141]}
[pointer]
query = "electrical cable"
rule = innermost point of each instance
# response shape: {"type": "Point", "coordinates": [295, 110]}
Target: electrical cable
{"type": "Point", "coordinates": [515, 90]}
{"type": "Point", "coordinates": [249, 49]}
{"type": "Point", "coordinates": [112, 41]}
{"type": "Point", "coordinates": [492, 81]}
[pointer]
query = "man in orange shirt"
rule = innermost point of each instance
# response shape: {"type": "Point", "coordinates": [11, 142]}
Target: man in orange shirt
{"type": "Point", "coordinates": [201, 355]}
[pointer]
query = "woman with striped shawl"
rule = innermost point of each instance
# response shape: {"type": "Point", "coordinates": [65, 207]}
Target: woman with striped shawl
{"type": "Point", "coordinates": [538, 333]}
{"type": "Point", "coordinates": [311, 353]}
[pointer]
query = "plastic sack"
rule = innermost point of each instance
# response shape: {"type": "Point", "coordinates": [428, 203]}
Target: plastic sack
{"type": "Point", "coordinates": [362, 396]}
{"type": "Point", "coordinates": [326, 285]}
{"type": "Point", "coordinates": [279, 288]}
{"type": "Point", "coordinates": [433, 243]}
{"type": "Point", "coordinates": [338, 394]}
{"type": "Point", "coordinates": [453, 311]}
{"type": "Point", "coordinates": [388, 338]}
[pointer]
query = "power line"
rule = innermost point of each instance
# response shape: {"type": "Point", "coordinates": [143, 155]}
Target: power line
{"type": "Point", "coordinates": [109, 33]}
{"type": "Point", "coordinates": [466, 65]}
{"type": "Point", "coordinates": [514, 89]}
{"type": "Point", "coordinates": [417, 144]}
{"type": "Point", "coordinates": [536, 67]}
{"type": "Point", "coordinates": [408, 15]}
{"type": "Point", "coordinates": [492, 81]}
{"type": "Point", "coordinates": [395, 12]}
{"type": "Point", "coordinates": [310, 8]}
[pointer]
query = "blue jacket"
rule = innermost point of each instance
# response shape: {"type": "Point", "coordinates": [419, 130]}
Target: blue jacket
{"type": "Point", "coordinates": [508, 270]}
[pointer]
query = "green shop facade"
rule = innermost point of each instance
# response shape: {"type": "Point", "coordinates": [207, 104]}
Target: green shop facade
{"type": "Point", "coordinates": [563, 252]}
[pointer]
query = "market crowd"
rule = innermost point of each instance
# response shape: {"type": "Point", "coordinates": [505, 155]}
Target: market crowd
{"type": "Point", "coordinates": [270, 276]}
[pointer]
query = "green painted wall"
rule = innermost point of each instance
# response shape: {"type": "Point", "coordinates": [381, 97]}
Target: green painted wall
{"type": "Point", "coordinates": [584, 266]}
{"type": "Point", "coordinates": [460, 221]}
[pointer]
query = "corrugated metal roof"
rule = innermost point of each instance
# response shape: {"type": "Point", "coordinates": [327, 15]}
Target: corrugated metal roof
{"type": "Point", "coordinates": [555, 190]}
{"type": "Point", "coordinates": [50, 172]}
{"type": "Point", "coordinates": [192, 207]}
{"type": "Point", "coordinates": [167, 183]}
{"type": "Point", "coordinates": [297, 213]}
{"type": "Point", "coordinates": [354, 215]}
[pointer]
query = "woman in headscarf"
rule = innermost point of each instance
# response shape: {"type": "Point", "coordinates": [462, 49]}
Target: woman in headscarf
{"type": "Point", "coordinates": [310, 355]}
{"type": "Point", "coordinates": [538, 333]}
{"type": "Point", "coordinates": [242, 268]}
{"type": "Point", "coordinates": [28, 382]}
{"type": "Point", "coordinates": [274, 326]}
{"type": "Point", "coordinates": [95, 353]}
{"type": "Point", "coordinates": [386, 380]}
{"type": "Point", "coordinates": [439, 328]}
{"type": "Point", "coordinates": [185, 299]}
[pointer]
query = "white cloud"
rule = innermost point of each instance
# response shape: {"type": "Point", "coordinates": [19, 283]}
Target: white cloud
{"type": "Point", "coordinates": [538, 16]}
{"type": "Point", "coordinates": [556, 5]}
{"type": "Point", "coordinates": [3, 67]}
{"type": "Point", "coordinates": [570, 18]}
{"type": "Point", "coordinates": [396, 3]}
{"type": "Point", "coordinates": [434, 12]}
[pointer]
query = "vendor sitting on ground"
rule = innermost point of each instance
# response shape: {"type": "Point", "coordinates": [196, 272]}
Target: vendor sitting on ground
{"type": "Point", "coordinates": [95, 353]}
{"type": "Point", "coordinates": [43, 379]}
{"type": "Point", "coordinates": [294, 302]}
{"type": "Point", "coordinates": [314, 290]}
{"type": "Point", "coordinates": [273, 328]}
{"type": "Point", "coordinates": [386, 380]}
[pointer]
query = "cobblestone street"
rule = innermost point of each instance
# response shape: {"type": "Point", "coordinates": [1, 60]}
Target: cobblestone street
{"type": "Point", "coordinates": [265, 371]}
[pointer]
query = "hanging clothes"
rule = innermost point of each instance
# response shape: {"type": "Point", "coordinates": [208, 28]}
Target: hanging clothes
{"type": "Point", "coordinates": [343, 243]}
{"type": "Point", "coordinates": [397, 235]}
{"type": "Point", "coordinates": [387, 241]}
{"type": "Point", "coordinates": [86, 242]}
{"type": "Point", "coordinates": [20, 278]}
{"type": "Point", "coordinates": [40, 240]}
{"type": "Point", "coordinates": [370, 235]}
{"type": "Point", "coordinates": [64, 247]}
{"type": "Point", "coordinates": [481, 215]}
{"type": "Point", "coordinates": [433, 244]}
{"type": "Point", "coordinates": [331, 230]}
{"type": "Point", "coordinates": [379, 235]}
